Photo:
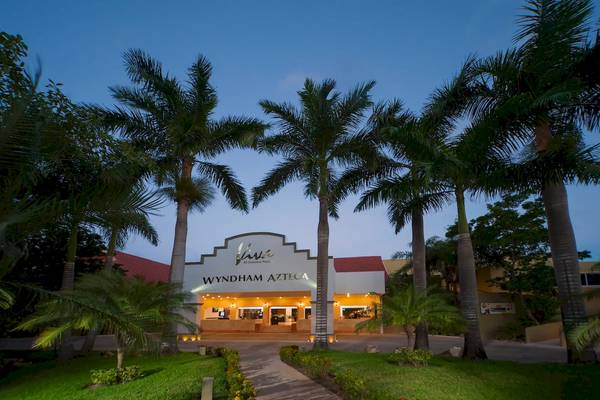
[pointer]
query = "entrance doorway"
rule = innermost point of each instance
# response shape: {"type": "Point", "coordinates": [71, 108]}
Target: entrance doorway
{"type": "Point", "coordinates": [283, 315]}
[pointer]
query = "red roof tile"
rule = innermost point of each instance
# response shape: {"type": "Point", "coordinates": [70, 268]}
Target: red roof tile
{"type": "Point", "coordinates": [358, 264]}
{"type": "Point", "coordinates": [151, 271]}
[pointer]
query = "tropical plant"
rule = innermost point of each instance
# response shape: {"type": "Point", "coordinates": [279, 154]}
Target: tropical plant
{"type": "Point", "coordinates": [129, 308]}
{"type": "Point", "coordinates": [176, 127]}
{"type": "Point", "coordinates": [541, 95]}
{"type": "Point", "coordinates": [408, 308]}
{"type": "Point", "coordinates": [127, 212]}
{"type": "Point", "coordinates": [588, 334]}
{"type": "Point", "coordinates": [317, 141]}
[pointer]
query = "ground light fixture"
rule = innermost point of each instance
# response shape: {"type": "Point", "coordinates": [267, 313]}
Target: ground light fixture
{"type": "Point", "coordinates": [330, 339]}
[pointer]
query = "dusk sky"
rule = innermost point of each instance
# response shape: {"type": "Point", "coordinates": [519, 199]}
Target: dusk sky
{"type": "Point", "coordinates": [265, 50]}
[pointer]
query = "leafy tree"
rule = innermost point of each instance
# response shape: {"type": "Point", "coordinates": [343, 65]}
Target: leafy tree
{"type": "Point", "coordinates": [177, 128]}
{"type": "Point", "coordinates": [129, 308]}
{"type": "Point", "coordinates": [42, 265]}
{"type": "Point", "coordinates": [542, 94]}
{"type": "Point", "coordinates": [408, 308]}
{"type": "Point", "coordinates": [513, 236]}
{"type": "Point", "coordinates": [317, 142]}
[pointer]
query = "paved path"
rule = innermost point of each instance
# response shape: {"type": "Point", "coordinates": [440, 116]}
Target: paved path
{"type": "Point", "coordinates": [273, 379]}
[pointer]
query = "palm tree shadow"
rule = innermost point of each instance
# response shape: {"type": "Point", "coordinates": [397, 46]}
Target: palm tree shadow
{"type": "Point", "coordinates": [149, 372]}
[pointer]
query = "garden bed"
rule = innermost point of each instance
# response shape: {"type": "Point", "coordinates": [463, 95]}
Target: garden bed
{"type": "Point", "coordinates": [370, 376]}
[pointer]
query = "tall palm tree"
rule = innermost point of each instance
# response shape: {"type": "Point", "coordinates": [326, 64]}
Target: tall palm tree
{"type": "Point", "coordinates": [547, 89]}
{"type": "Point", "coordinates": [176, 126]}
{"type": "Point", "coordinates": [317, 141]}
{"type": "Point", "coordinates": [444, 166]}
{"type": "Point", "coordinates": [407, 193]}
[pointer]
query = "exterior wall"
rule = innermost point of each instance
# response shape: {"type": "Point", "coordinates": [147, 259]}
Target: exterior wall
{"type": "Point", "coordinates": [360, 282]}
{"type": "Point", "coordinates": [263, 270]}
{"type": "Point", "coordinates": [490, 324]}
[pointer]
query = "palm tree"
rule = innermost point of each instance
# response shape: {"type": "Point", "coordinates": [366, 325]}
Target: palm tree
{"type": "Point", "coordinates": [176, 126]}
{"type": "Point", "coordinates": [128, 308]}
{"type": "Point", "coordinates": [588, 334]}
{"type": "Point", "coordinates": [542, 93]}
{"type": "Point", "coordinates": [317, 141]}
{"type": "Point", "coordinates": [125, 213]}
{"type": "Point", "coordinates": [407, 192]}
{"type": "Point", "coordinates": [121, 213]}
{"type": "Point", "coordinates": [409, 308]}
{"type": "Point", "coordinates": [444, 166]}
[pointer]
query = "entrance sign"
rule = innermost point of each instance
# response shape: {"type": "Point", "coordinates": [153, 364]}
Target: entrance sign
{"type": "Point", "coordinates": [497, 308]}
{"type": "Point", "coordinates": [255, 262]}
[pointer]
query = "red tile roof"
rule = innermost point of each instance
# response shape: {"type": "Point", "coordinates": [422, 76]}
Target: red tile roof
{"type": "Point", "coordinates": [358, 264]}
{"type": "Point", "coordinates": [150, 270]}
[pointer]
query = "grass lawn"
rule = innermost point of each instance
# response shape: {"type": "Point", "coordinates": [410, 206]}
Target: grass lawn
{"type": "Point", "coordinates": [447, 378]}
{"type": "Point", "coordinates": [176, 377]}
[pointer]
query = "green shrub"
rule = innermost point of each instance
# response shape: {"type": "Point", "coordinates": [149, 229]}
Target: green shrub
{"type": "Point", "coordinates": [416, 357]}
{"type": "Point", "coordinates": [314, 364]}
{"type": "Point", "coordinates": [512, 330]}
{"type": "Point", "coordinates": [113, 376]}
{"type": "Point", "coordinates": [288, 353]}
{"type": "Point", "coordinates": [104, 376]}
{"type": "Point", "coordinates": [353, 386]}
{"type": "Point", "coordinates": [240, 388]}
{"type": "Point", "coordinates": [129, 374]}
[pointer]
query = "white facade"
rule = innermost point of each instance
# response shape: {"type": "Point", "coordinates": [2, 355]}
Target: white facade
{"type": "Point", "coordinates": [264, 262]}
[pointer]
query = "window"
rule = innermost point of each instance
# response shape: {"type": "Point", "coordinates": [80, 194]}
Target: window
{"type": "Point", "coordinates": [307, 312]}
{"type": "Point", "coordinates": [583, 280]}
{"type": "Point", "coordinates": [250, 313]}
{"type": "Point", "coordinates": [593, 279]}
{"type": "Point", "coordinates": [355, 312]}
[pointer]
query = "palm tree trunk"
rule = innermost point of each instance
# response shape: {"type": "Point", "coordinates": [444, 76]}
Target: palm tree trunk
{"type": "Point", "coordinates": [419, 272]}
{"type": "Point", "coordinates": [120, 352]}
{"type": "Point", "coordinates": [563, 247]}
{"type": "Point", "coordinates": [179, 243]}
{"type": "Point", "coordinates": [109, 260]}
{"type": "Point", "coordinates": [68, 278]}
{"type": "Point", "coordinates": [90, 338]}
{"type": "Point", "coordinates": [66, 349]}
{"type": "Point", "coordinates": [322, 272]}
{"type": "Point", "coordinates": [469, 297]}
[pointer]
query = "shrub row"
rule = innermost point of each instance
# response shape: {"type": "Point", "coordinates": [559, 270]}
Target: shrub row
{"type": "Point", "coordinates": [240, 388]}
{"type": "Point", "coordinates": [113, 376]}
{"type": "Point", "coordinates": [317, 366]}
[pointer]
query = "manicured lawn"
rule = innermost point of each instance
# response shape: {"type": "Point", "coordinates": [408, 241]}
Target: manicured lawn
{"type": "Point", "coordinates": [176, 377]}
{"type": "Point", "coordinates": [447, 378]}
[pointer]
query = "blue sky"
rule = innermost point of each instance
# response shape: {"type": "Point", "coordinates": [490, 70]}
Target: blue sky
{"type": "Point", "coordinates": [264, 50]}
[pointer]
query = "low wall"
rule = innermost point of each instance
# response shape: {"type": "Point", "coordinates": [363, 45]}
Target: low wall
{"type": "Point", "coordinates": [345, 325]}
{"type": "Point", "coordinates": [303, 325]}
{"type": "Point", "coordinates": [227, 325]}
{"type": "Point", "coordinates": [545, 332]}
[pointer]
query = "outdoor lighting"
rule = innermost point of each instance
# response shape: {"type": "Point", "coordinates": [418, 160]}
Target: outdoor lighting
{"type": "Point", "coordinates": [189, 338]}
{"type": "Point", "coordinates": [347, 294]}
{"type": "Point", "coordinates": [331, 339]}
{"type": "Point", "coordinates": [311, 338]}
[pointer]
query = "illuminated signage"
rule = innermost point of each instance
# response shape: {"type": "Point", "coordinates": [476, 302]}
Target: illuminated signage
{"type": "Point", "coordinates": [246, 255]}
{"type": "Point", "coordinates": [276, 277]}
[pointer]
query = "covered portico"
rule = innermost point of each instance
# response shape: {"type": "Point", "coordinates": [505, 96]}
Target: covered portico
{"type": "Point", "coordinates": [258, 282]}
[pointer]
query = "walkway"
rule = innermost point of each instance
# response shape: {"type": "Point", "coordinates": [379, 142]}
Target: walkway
{"type": "Point", "coordinates": [273, 379]}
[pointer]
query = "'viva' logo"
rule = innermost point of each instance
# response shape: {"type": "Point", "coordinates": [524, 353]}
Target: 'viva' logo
{"type": "Point", "coordinates": [245, 253]}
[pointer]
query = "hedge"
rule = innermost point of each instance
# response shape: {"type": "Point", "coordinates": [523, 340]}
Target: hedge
{"type": "Point", "coordinates": [240, 388]}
